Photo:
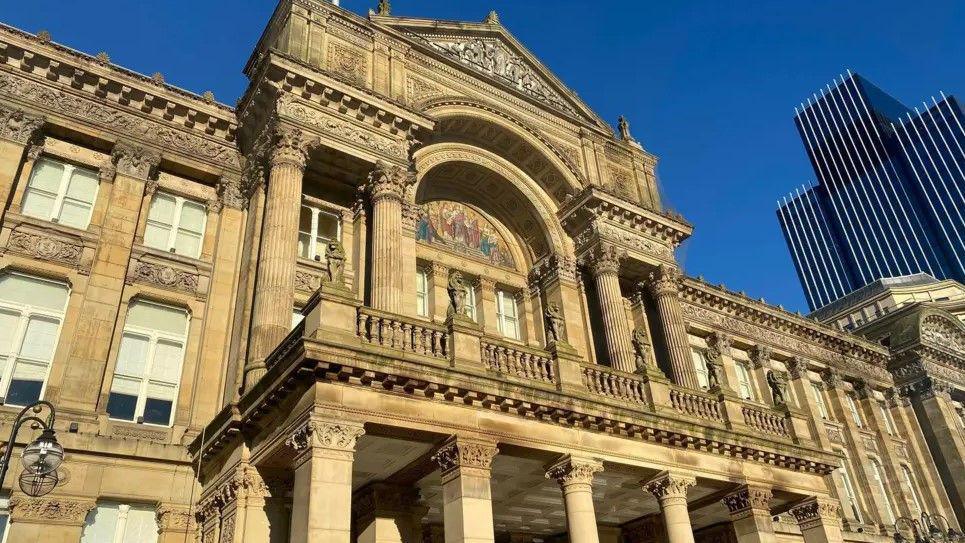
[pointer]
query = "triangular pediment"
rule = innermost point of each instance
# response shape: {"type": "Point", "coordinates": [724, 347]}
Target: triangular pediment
{"type": "Point", "coordinates": [490, 50]}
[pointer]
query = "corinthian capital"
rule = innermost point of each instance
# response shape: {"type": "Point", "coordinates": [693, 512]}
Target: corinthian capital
{"type": "Point", "coordinates": [670, 486]}
{"type": "Point", "coordinates": [605, 259]}
{"type": "Point", "coordinates": [19, 126]}
{"type": "Point", "coordinates": [135, 161]}
{"type": "Point", "coordinates": [459, 453]}
{"type": "Point", "coordinates": [748, 497]}
{"type": "Point", "coordinates": [814, 511]}
{"type": "Point", "coordinates": [335, 436]}
{"type": "Point", "coordinates": [389, 181]}
{"type": "Point", "coordinates": [760, 355]}
{"type": "Point", "coordinates": [291, 146]}
{"type": "Point", "coordinates": [664, 281]}
{"type": "Point", "coordinates": [574, 471]}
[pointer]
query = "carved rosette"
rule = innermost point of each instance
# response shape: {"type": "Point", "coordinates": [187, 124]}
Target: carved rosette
{"type": "Point", "coordinates": [19, 126]}
{"type": "Point", "coordinates": [50, 510]}
{"type": "Point", "coordinates": [664, 281]}
{"type": "Point", "coordinates": [749, 498]}
{"type": "Point", "coordinates": [333, 436]}
{"type": "Point", "coordinates": [605, 259]}
{"type": "Point", "coordinates": [815, 511]}
{"type": "Point", "coordinates": [135, 161]}
{"type": "Point", "coordinates": [458, 455]}
{"type": "Point", "coordinates": [389, 181]}
{"type": "Point", "coordinates": [175, 518]}
{"type": "Point", "coordinates": [569, 471]}
{"type": "Point", "coordinates": [670, 487]}
{"type": "Point", "coordinates": [291, 147]}
{"type": "Point", "coordinates": [760, 356]}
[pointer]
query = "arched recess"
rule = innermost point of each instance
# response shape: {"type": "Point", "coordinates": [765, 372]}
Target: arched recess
{"type": "Point", "coordinates": [464, 120]}
{"type": "Point", "coordinates": [494, 185]}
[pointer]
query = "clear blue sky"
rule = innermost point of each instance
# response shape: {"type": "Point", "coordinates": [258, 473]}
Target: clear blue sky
{"type": "Point", "coordinates": [708, 85]}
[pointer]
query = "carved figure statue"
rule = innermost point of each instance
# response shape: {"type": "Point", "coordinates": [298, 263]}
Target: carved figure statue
{"type": "Point", "coordinates": [335, 257]}
{"type": "Point", "coordinates": [457, 294]}
{"type": "Point", "coordinates": [384, 8]}
{"type": "Point", "coordinates": [624, 127]}
{"type": "Point", "coordinates": [641, 350]}
{"type": "Point", "coordinates": [778, 383]}
{"type": "Point", "coordinates": [554, 322]}
{"type": "Point", "coordinates": [713, 375]}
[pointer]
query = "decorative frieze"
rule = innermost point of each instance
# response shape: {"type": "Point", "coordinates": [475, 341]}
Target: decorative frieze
{"type": "Point", "coordinates": [164, 276]}
{"type": "Point", "coordinates": [49, 248]}
{"type": "Point", "coordinates": [19, 126]}
{"type": "Point", "coordinates": [574, 471]}
{"type": "Point", "coordinates": [50, 509]}
{"type": "Point", "coordinates": [330, 126]}
{"type": "Point", "coordinates": [943, 333]}
{"type": "Point", "coordinates": [135, 161]}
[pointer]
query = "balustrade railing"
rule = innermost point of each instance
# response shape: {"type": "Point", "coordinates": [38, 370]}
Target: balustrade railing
{"type": "Point", "coordinates": [606, 382]}
{"type": "Point", "coordinates": [518, 361]}
{"type": "Point", "coordinates": [396, 332]}
{"type": "Point", "coordinates": [766, 421]}
{"type": "Point", "coordinates": [696, 404]}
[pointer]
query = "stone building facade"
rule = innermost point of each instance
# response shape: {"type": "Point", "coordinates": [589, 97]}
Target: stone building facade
{"type": "Point", "coordinates": [412, 289]}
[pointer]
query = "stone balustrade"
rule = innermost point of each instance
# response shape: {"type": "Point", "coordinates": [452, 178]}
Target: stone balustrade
{"type": "Point", "coordinates": [615, 384]}
{"type": "Point", "coordinates": [764, 420]}
{"type": "Point", "coordinates": [398, 332]}
{"type": "Point", "coordinates": [696, 404]}
{"type": "Point", "coordinates": [518, 361]}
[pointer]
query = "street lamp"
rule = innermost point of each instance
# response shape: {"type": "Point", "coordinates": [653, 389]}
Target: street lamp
{"type": "Point", "coordinates": [928, 529]}
{"type": "Point", "coordinates": [41, 457]}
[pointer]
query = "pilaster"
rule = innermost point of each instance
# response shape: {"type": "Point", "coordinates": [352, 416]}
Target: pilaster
{"type": "Point", "coordinates": [467, 511]}
{"type": "Point", "coordinates": [750, 514]}
{"type": "Point", "coordinates": [18, 131]}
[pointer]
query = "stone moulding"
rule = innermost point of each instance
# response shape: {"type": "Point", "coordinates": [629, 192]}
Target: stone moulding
{"type": "Point", "coordinates": [165, 276]}
{"type": "Point", "coordinates": [51, 248]}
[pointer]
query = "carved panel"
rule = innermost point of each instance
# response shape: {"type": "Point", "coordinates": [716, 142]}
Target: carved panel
{"type": "Point", "coordinates": [49, 248]}
{"type": "Point", "coordinates": [348, 62]}
{"type": "Point", "coordinates": [330, 126]}
{"type": "Point", "coordinates": [164, 276]}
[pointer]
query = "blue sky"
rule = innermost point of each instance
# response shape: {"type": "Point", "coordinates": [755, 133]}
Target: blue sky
{"type": "Point", "coordinates": [709, 86]}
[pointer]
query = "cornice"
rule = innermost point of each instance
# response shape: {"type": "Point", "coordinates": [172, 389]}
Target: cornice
{"type": "Point", "coordinates": [594, 202]}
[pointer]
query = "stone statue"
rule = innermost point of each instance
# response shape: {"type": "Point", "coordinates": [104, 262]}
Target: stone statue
{"type": "Point", "coordinates": [713, 374]}
{"type": "Point", "coordinates": [335, 258]}
{"type": "Point", "coordinates": [554, 322]}
{"type": "Point", "coordinates": [457, 294]}
{"type": "Point", "coordinates": [384, 8]}
{"type": "Point", "coordinates": [641, 350]}
{"type": "Point", "coordinates": [624, 127]}
{"type": "Point", "coordinates": [778, 383]}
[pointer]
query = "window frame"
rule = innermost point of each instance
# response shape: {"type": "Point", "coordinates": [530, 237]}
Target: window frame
{"type": "Point", "coordinates": [154, 337]}
{"type": "Point", "coordinates": [502, 320]}
{"type": "Point", "coordinates": [849, 488]}
{"type": "Point", "coordinates": [881, 478]}
{"type": "Point", "coordinates": [316, 210]}
{"type": "Point", "coordinates": [65, 177]}
{"type": "Point", "coordinates": [853, 409]}
{"type": "Point", "coordinates": [822, 404]}
{"type": "Point", "coordinates": [913, 486]}
{"type": "Point", "coordinates": [471, 310]}
{"type": "Point", "coordinates": [743, 371]}
{"type": "Point", "coordinates": [120, 522]}
{"type": "Point", "coordinates": [176, 224]}
{"type": "Point", "coordinates": [422, 293]}
{"type": "Point", "coordinates": [699, 359]}
{"type": "Point", "coordinates": [26, 312]}
{"type": "Point", "coordinates": [886, 415]}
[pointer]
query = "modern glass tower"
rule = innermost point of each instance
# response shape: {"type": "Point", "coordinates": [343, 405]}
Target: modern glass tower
{"type": "Point", "coordinates": [889, 197]}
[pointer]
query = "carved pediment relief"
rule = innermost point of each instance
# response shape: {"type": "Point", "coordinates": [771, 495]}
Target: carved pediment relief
{"type": "Point", "coordinates": [943, 333]}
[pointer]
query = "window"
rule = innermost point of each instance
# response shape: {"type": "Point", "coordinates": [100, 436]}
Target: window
{"type": "Point", "coordinates": [422, 293]}
{"type": "Point", "coordinates": [175, 224]}
{"type": "Point", "coordinates": [853, 409]}
{"type": "Point", "coordinates": [316, 229]}
{"type": "Point", "coordinates": [879, 476]}
{"type": "Point", "coordinates": [507, 314]}
{"type": "Point", "coordinates": [120, 523]}
{"type": "Point", "coordinates": [700, 365]}
{"type": "Point", "coordinates": [910, 481]}
{"type": "Point", "coordinates": [744, 382]}
{"type": "Point", "coordinates": [471, 302]}
{"type": "Point", "coordinates": [297, 317]}
{"type": "Point", "coordinates": [852, 498]}
{"type": "Point", "coordinates": [148, 370]}
{"type": "Point", "coordinates": [31, 312]}
{"type": "Point", "coordinates": [886, 416]}
{"type": "Point", "coordinates": [819, 400]}
{"type": "Point", "coordinates": [61, 193]}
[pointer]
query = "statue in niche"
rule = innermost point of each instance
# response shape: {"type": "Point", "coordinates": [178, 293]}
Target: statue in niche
{"type": "Point", "coordinates": [641, 350]}
{"type": "Point", "coordinates": [457, 294]}
{"type": "Point", "coordinates": [554, 323]}
{"type": "Point", "coordinates": [713, 375]}
{"type": "Point", "coordinates": [335, 259]}
{"type": "Point", "coordinates": [778, 383]}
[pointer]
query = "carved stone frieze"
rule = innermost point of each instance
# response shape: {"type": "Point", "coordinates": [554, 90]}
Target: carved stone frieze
{"type": "Point", "coordinates": [458, 454]}
{"type": "Point", "coordinates": [347, 62]}
{"type": "Point", "coordinates": [330, 126]}
{"type": "Point", "coordinates": [175, 518]}
{"type": "Point", "coordinates": [19, 126]}
{"type": "Point", "coordinates": [164, 276]}
{"type": "Point", "coordinates": [633, 240]}
{"type": "Point", "coordinates": [943, 333]}
{"type": "Point", "coordinates": [49, 248]}
{"type": "Point", "coordinates": [670, 485]}
{"type": "Point", "coordinates": [135, 161]}
{"type": "Point", "coordinates": [418, 90]}
{"type": "Point", "coordinates": [748, 497]}
{"type": "Point", "coordinates": [337, 436]}
{"type": "Point", "coordinates": [835, 435]}
{"type": "Point", "coordinates": [574, 471]}
{"type": "Point", "coordinates": [50, 509]}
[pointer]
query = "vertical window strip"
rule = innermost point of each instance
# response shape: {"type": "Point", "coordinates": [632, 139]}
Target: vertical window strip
{"type": "Point", "coordinates": [507, 314]}
{"type": "Point", "coordinates": [910, 481]}
{"type": "Point", "coordinates": [744, 381]}
{"type": "Point", "coordinates": [422, 293]}
{"type": "Point", "coordinates": [853, 408]}
{"type": "Point", "coordinates": [849, 490]}
{"type": "Point", "coordinates": [317, 228]}
{"type": "Point", "coordinates": [819, 399]}
{"type": "Point", "coordinates": [700, 366]}
{"type": "Point", "coordinates": [883, 489]}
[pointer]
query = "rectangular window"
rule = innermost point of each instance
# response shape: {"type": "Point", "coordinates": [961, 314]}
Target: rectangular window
{"type": "Point", "coordinates": [879, 476]}
{"type": "Point", "coordinates": [913, 488]}
{"type": "Point", "coordinates": [852, 498]}
{"type": "Point", "coordinates": [507, 314]}
{"type": "Point", "coordinates": [31, 312]}
{"type": "Point", "coordinates": [422, 293]}
{"type": "Point", "coordinates": [886, 416]}
{"type": "Point", "coordinates": [175, 224]}
{"type": "Point", "coordinates": [700, 365]}
{"type": "Point", "coordinates": [471, 302]}
{"type": "Point", "coordinates": [112, 522]}
{"type": "Point", "coordinates": [744, 387]}
{"type": "Point", "coordinates": [61, 193]}
{"type": "Point", "coordinates": [148, 370]}
{"type": "Point", "coordinates": [316, 229]}
{"type": "Point", "coordinates": [853, 409]}
{"type": "Point", "coordinates": [819, 400]}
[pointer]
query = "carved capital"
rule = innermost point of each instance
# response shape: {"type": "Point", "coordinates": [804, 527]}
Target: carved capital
{"type": "Point", "coordinates": [574, 471]}
{"type": "Point", "coordinates": [50, 510]}
{"type": "Point", "coordinates": [718, 346]}
{"type": "Point", "coordinates": [35, 146]}
{"type": "Point", "coordinates": [831, 377]}
{"type": "Point", "coordinates": [175, 518]}
{"type": "Point", "coordinates": [231, 193]}
{"type": "Point", "coordinates": [458, 454]}
{"type": "Point", "coordinates": [670, 486]}
{"type": "Point", "coordinates": [748, 498]}
{"type": "Point", "coordinates": [336, 436]}
{"type": "Point", "coordinates": [389, 181]}
{"type": "Point", "coordinates": [797, 367]}
{"type": "Point", "coordinates": [410, 215]}
{"type": "Point", "coordinates": [19, 126]}
{"type": "Point", "coordinates": [862, 389]}
{"type": "Point", "coordinates": [605, 259]}
{"type": "Point", "coordinates": [135, 161]}
{"type": "Point", "coordinates": [291, 147]}
{"type": "Point", "coordinates": [816, 511]}
{"type": "Point", "coordinates": [760, 355]}
{"type": "Point", "coordinates": [664, 281]}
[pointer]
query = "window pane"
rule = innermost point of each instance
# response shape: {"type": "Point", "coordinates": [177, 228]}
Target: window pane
{"type": "Point", "coordinates": [141, 525]}
{"type": "Point", "coordinates": [101, 524]}
{"type": "Point", "coordinates": [132, 356]}
{"type": "Point", "coordinates": [9, 323]}
{"type": "Point", "coordinates": [23, 392]}
{"type": "Point", "coordinates": [82, 186]}
{"type": "Point", "coordinates": [157, 236]}
{"type": "Point", "coordinates": [304, 245]}
{"type": "Point", "coordinates": [167, 362]}
{"type": "Point", "coordinates": [74, 214]}
{"type": "Point", "coordinates": [157, 317]}
{"type": "Point", "coordinates": [187, 243]}
{"type": "Point", "coordinates": [20, 289]}
{"type": "Point", "coordinates": [40, 339]}
{"type": "Point", "coordinates": [192, 217]}
{"type": "Point", "coordinates": [121, 406]}
{"type": "Point", "coordinates": [38, 204]}
{"type": "Point", "coordinates": [157, 412]}
{"type": "Point", "coordinates": [327, 226]}
{"type": "Point", "coordinates": [162, 209]}
{"type": "Point", "coordinates": [46, 176]}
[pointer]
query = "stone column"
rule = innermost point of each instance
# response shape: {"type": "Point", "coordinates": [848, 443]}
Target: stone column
{"type": "Point", "coordinates": [664, 285]}
{"type": "Point", "coordinates": [818, 520]}
{"type": "Point", "coordinates": [575, 476]}
{"type": "Point", "coordinates": [275, 283]}
{"type": "Point", "coordinates": [467, 508]}
{"type": "Point", "coordinates": [388, 513]}
{"type": "Point", "coordinates": [322, 493]}
{"type": "Point", "coordinates": [750, 514]}
{"type": "Point", "coordinates": [386, 188]}
{"type": "Point", "coordinates": [175, 524]}
{"type": "Point", "coordinates": [670, 489]}
{"type": "Point", "coordinates": [48, 519]}
{"type": "Point", "coordinates": [17, 130]}
{"type": "Point", "coordinates": [604, 264]}
{"type": "Point", "coordinates": [933, 407]}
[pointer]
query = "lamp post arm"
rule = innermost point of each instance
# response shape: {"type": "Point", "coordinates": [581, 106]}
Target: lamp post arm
{"type": "Point", "coordinates": [18, 423]}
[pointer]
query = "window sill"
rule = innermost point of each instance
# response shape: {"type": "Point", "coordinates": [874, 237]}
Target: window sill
{"type": "Point", "coordinates": [196, 264]}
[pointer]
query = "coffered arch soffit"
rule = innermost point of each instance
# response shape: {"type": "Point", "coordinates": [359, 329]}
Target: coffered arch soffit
{"type": "Point", "coordinates": [496, 186]}
{"type": "Point", "coordinates": [486, 125]}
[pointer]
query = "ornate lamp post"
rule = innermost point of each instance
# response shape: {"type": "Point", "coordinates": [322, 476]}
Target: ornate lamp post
{"type": "Point", "coordinates": [927, 529]}
{"type": "Point", "coordinates": [41, 457]}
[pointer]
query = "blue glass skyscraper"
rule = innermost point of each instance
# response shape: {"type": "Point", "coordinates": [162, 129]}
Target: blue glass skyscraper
{"type": "Point", "coordinates": [889, 197]}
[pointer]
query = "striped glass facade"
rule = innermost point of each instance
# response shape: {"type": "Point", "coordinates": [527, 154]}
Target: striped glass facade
{"type": "Point", "coordinates": [889, 197]}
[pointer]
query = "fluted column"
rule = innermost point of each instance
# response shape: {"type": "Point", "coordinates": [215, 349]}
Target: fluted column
{"type": "Point", "coordinates": [750, 514]}
{"type": "Point", "coordinates": [604, 264]}
{"type": "Point", "coordinates": [818, 520]}
{"type": "Point", "coordinates": [386, 188]}
{"type": "Point", "coordinates": [670, 489]}
{"type": "Point", "coordinates": [275, 283]}
{"type": "Point", "coordinates": [575, 476]}
{"type": "Point", "coordinates": [467, 508]}
{"type": "Point", "coordinates": [664, 285]}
